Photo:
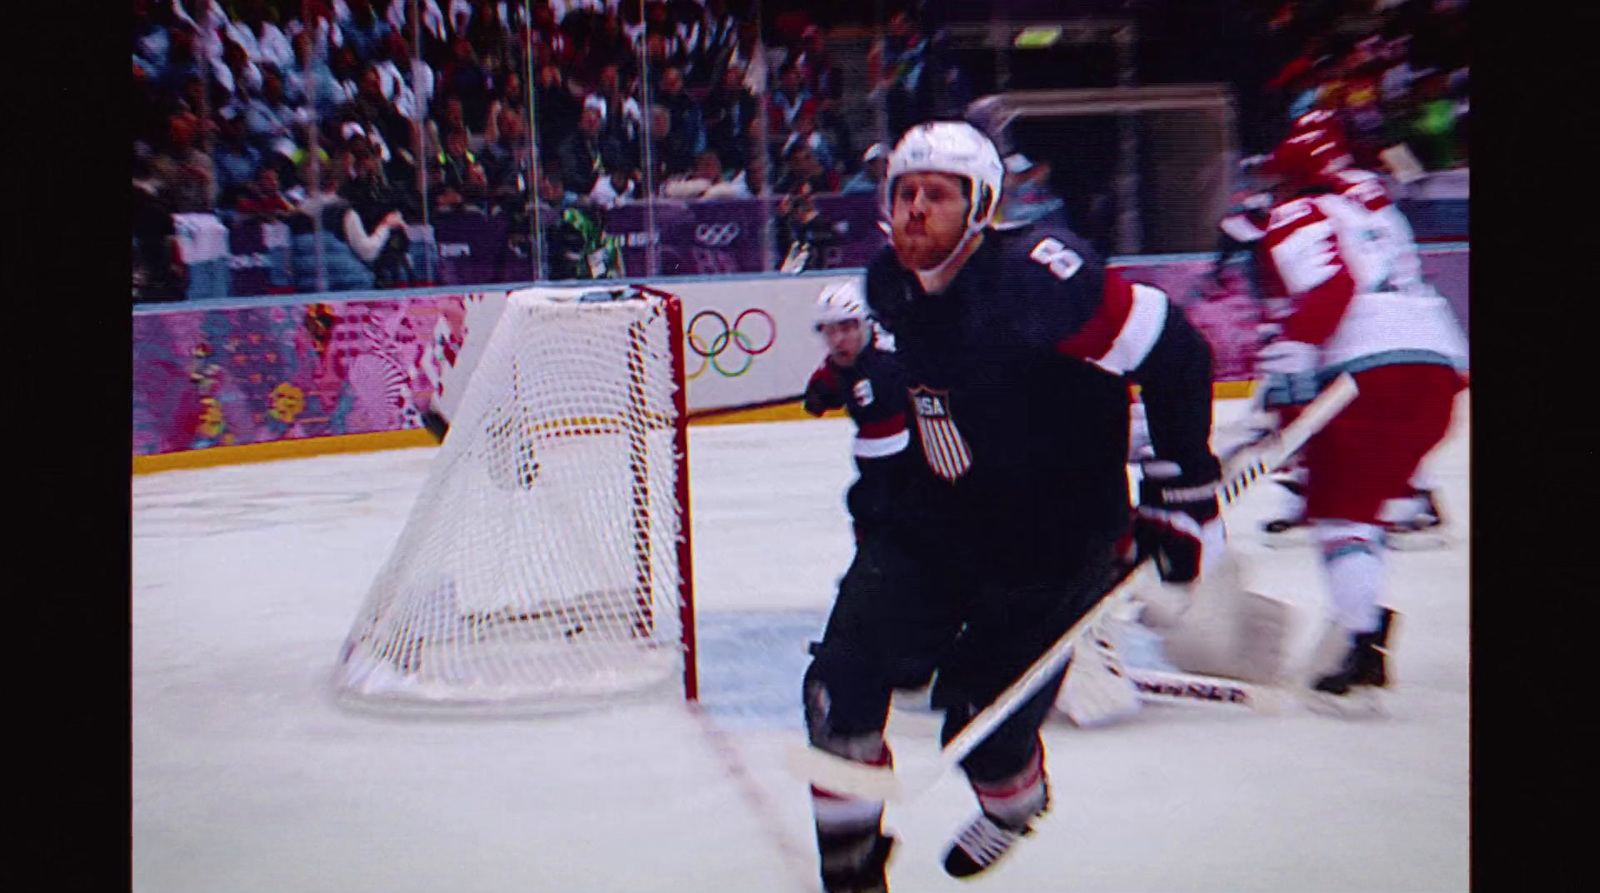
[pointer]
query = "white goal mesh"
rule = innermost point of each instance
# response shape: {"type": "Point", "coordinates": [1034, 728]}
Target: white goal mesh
{"type": "Point", "coordinates": [544, 563]}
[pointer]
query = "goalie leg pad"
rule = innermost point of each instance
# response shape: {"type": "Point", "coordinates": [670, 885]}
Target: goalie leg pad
{"type": "Point", "coordinates": [1225, 631]}
{"type": "Point", "coordinates": [1097, 690]}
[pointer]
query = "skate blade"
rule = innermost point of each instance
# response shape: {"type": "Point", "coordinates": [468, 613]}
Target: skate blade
{"type": "Point", "coordinates": [1293, 538]}
{"type": "Point", "coordinates": [1361, 703]}
{"type": "Point", "coordinates": [1417, 541]}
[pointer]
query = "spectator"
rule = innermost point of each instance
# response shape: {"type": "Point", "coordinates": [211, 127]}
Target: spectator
{"type": "Point", "coordinates": [672, 152]}
{"type": "Point", "coordinates": [709, 39]}
{"type": "Point", "coordinates": [735, 186]}
{"type": "Point", "coordinates": [453, 117]}
{"type": "Point", "coordinates": [874, 164]}
{"type": "Point", "coordinates": [375, 111]}
{"type": "Point", "coordinates": [730, 111]}
{"type": "Point", "coordinates": [620, 113]}
{"type": "Point", "coordinates": [751, 56]}
{"type": "Point", "coordinates": [607, 46]}
{"type": "Point", "coordinates": [159, 273]}
{"type": "Point", "coordinates": [237, 76]}
{"type": "Point", "coordinates": [486, 31]}
{"type": "Point", "coordinates": [181, 62]}
{"type": "Point", "coordinates": [823, 77]}
{"type": "Point", "coordinates": [396, 71]}
{"type": "Point", "coordinates": [618, 187]}
{"type": "Point", "coordinates": [468, 81]}
{"type": "Point", "coordinates": [373, 199]}
{"type": "Point", "coordinates": [655, 62]}
{"type": "Point", "coordinates": [263, 41]}
{"type": "Point", "coordinates": [806, 134]}
{"type": "Point", "coordinates": [557, 107]}
{"type": "Point", "coordinates": [269, 117]}
{"type": "Point", "coordinates": [317, 22]}
{"type": "Point", "coordinates": [312, 78]}
{"type": "Point", "coordinates": [895, 67]}
{"type": "Point", "coordinates": [326, 225]}
{"type": "Point", "coordinates": [582, 153]}
{"type": "Point", "coordinates": [151, 38]}
{"type": "Point", "coordinates": [805, 237]}
{"type": "Point", "coordinates": [364, 31]}
{"type": "Point", "coordinates": [785, 102]}
{"type": "Point", "coordinates": [264, 199]}
{"type": "Point", "coordinates": [1433, 127]}
{"type": "Point", "coordinates": [804, 173]}
{"type": "Point", "coordinates": [460, 177]}
{"type": "Point", "coordinates": [232, 157]}
{"type": "Point", "coordinates": [699, 182]}
{"type": "Point", "coordinates": [207, 19]}
{"type": "Point", "coordinates": [189, 182]}
{"type": "Point", "coordinates": [149, 116]}
{"type": "Point", "coordinates": [507, 160]}
{"type": "Point", "coordinates": [553, 192]}
{"type": "Point", "coordinates": [688, 121]}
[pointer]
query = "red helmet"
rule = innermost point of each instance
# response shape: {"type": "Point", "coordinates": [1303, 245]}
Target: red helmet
{"type": "Point", "coordinates": [1309, 157]}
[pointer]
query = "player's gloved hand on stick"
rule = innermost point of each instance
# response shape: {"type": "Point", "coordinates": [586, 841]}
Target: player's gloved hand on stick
{"type": "Point", "coordinates": [1178, 521]}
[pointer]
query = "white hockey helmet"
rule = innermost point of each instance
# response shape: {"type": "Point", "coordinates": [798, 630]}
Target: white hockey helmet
{"type": "Point", "coordinates": [840, 302]}
{"type": "Point", "coordinates": [950, 147]}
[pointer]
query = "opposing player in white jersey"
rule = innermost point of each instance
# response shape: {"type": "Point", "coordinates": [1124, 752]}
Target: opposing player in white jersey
{"type": "Point", "coordinates": [1346, 256]}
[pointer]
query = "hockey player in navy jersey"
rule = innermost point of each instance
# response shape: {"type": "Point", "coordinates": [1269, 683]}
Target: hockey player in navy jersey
{"type": "Point", "coordinates": [865, 380]}
{"type": "Point", "coordinates": [1018, 348]}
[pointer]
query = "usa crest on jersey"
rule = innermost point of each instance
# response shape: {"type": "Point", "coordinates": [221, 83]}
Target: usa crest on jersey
{"type": "Point", "coordinates": [942, 444]}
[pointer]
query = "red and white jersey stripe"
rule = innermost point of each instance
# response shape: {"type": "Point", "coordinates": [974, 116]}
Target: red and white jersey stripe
{"type": "Point", "coordinates": [1124, 328]}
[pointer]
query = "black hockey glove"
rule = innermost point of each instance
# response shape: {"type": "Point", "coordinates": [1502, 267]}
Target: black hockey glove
{"type": "Point", "coordinates": [1178, 521]}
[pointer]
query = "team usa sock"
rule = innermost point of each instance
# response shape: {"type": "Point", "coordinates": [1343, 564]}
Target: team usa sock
{"type": "Point", "coordinates": [853, 849]}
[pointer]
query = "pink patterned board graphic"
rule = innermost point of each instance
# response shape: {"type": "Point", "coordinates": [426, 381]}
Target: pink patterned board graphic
{"type": "Point", "coordinates": [234, 376]}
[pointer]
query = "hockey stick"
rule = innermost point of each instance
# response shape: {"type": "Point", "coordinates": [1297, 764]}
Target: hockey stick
{"type": "Point", "coordinates": [1163, 685]}
{"type": "Point", "coordinates": [843, 776]}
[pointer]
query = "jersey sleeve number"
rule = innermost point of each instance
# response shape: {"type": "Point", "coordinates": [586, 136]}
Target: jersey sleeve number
{"type": "Point", "coordinates": [1061, 260]}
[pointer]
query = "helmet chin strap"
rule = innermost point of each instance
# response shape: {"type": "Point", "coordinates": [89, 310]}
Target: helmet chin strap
{"type": "Point", "coordinates": [937, 277]}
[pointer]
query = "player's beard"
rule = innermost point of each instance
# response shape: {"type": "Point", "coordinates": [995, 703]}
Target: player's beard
{"type": "Point", "coordinates": [919, 245]}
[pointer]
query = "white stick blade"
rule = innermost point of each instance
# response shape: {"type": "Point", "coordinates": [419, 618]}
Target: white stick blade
{"type": "Point", "coordinates": [838, 775]}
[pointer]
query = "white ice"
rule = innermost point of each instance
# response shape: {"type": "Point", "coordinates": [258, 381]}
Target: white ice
{"type": "Point", "coordinates": [246, 777]}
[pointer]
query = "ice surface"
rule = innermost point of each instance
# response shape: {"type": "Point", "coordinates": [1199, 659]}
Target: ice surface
{"type": "Point", "coordinates": [246, 777]}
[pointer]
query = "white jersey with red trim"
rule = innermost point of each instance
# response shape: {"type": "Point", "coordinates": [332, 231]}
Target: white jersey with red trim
{"type": "Point", "coordinates": [1349, 261]}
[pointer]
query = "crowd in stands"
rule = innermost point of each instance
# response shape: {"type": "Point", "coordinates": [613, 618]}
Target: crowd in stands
{"type": "Point", "coordinates": [351, 124]}
{"type": "Point", "coordinates": [1399, 76]}
{"type": "Point", "coordinates": [348, 121]}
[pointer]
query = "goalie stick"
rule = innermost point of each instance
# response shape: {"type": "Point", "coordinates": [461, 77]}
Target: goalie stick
{"type": "Point", "coordinates": [1163, 685]}
{"type": "Point", "coordinates": [843, 776]}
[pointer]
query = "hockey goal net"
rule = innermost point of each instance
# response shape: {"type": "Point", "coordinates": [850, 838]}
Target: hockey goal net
{"type": "Point", "coordinates": [545, 563]}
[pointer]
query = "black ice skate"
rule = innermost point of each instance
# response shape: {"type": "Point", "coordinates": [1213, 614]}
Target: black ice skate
{"type": "Point", "coordinates": [981, 844]}
{"type": "Point", "coordinates": [855, 863]}
{"type": "Point", "coordinates": [1424, 530]}
{"type": "Point", "coordinates": [1348, 689]}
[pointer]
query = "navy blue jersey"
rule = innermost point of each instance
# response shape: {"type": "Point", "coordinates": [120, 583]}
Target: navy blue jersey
{"type": "Point", "coordinates": [1018, 377]}
{"type": "Point", "coordinates": [873, 391]}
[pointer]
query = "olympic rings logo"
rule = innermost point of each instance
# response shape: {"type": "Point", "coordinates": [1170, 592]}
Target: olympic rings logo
{"type": "Point", "coordinates": [716, 235]}
{"type": "Point", "coordinates": [710, 336]}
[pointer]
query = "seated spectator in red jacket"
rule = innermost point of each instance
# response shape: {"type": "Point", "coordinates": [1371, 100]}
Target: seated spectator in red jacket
{"type": "Point", "coordinates": [264, 198]}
